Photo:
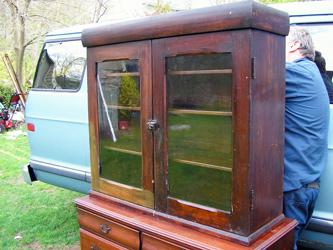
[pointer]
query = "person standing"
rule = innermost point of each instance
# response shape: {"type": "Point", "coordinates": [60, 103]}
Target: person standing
{"type": "Point", "coordinates": [321, 64]}
{"type": "Point", "coordinates": [306, 129]}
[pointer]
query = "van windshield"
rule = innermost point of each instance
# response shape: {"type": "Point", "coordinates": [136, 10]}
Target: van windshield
{"type": "Point", "coordinates": [322, 39]}
{"type": "Point", "coordinates": [60, 66]}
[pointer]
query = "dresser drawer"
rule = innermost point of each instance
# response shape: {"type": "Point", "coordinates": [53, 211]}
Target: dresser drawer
{"type": "Point", "coordinates": [151, 243]}
{"type": "Point", "coordinates": [90, 241]}
{"type": "Point", "coordinates": [108, 229]}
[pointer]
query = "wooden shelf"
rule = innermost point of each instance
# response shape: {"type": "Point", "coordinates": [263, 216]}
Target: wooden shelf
{"type": "Point", "coordinates": [199, 112]}
{"type": "Point", "coordinates": [124, 107]}
{"type": "Point", "coordinates": [124, 150]}
{"type": "Point", "coordinates": [200, 72]}
{"type": "Point", "coordinates": [115, 74]}
{"type": "Point", "coordinates": [204, 165]}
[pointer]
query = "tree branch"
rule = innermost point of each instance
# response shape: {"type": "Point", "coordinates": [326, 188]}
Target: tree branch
{"type": "Point", "coordinates": [47, 19]}
{"type": "Point", "coordinates": [31, 41]}
{"type": "Point", "coordinates": [13, 7]}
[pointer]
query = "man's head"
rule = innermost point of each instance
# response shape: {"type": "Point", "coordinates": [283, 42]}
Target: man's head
{"type": "Point", "coordinates": [299, 44]}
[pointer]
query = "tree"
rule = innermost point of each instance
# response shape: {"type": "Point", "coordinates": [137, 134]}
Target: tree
{"type": "Point", "coordinates": [101, 6]}
{"type": "Point", "coordinates": [18, 13]}
{"type": "Point", "coordinates": [159, 7]}
{"type": "Point", "coordinates": [25, 22]}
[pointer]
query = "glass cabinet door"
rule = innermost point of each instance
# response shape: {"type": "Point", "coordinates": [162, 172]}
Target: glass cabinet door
{"type": "Point", "coordinates": [123, 89]}
{"type": "Point", "coordinates": [199, 128]}
{"type": "Point", "coordinates": [118, 83]}
{"type": "Point", "coordinates": [194, 149]}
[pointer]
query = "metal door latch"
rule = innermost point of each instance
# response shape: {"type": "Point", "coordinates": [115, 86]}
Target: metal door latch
{"type": "Point", "coordinates": [152, 125]}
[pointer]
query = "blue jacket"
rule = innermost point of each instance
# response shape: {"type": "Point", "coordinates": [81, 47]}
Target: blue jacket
{"type": "Point", "coordinates": [306, 124]}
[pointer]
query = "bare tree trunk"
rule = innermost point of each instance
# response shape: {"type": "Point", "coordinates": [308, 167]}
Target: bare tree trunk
{"type": "Point", "coordinates": [19, 10]}
{"type": "Point", "coordinates": [19, 50]}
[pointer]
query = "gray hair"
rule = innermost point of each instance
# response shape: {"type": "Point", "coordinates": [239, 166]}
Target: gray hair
{"type": "Point", "coordinates": [302, 36]}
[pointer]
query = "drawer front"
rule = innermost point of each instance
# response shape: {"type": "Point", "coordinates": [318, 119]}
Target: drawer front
{"type": "Point", "coordinates": [108, 229]}
{"type": "Point", "coordinates": [152, 243]}
{"type": "Point", "coordinates": [90, 241]}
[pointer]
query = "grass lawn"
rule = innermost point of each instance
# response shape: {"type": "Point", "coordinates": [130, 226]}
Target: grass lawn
{"type": "Point", "coordinates": [37, 216]}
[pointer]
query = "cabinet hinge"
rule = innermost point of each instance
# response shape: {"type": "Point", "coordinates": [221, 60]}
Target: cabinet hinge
{"type": "Point", "coordinates": [251, 199]}
{"type": "Point", "coordinates": [253, 68]}
{"type": "Point", "coordinates": [99, 168]}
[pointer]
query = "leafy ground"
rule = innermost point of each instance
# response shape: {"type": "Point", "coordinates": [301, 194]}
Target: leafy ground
{"type": "Point", "coordinates": [37, 216]}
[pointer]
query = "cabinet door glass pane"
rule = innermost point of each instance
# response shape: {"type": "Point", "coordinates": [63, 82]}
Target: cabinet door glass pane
{"type": "Point", "coordinates": [199, 90]}
{"type": "Point", "coordinates": [119, 121]}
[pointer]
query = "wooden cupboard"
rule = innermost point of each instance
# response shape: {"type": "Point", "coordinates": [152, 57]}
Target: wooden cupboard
{"type": "Point", "coordinates": [186, 116]}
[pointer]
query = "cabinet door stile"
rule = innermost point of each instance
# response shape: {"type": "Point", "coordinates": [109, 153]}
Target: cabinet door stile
{"type": "Point", "coordinates": [160, 136]}
{"type": "Point", "coordinates": [147, 114]}
{"type": "Point", "coordinates": [93, 117]}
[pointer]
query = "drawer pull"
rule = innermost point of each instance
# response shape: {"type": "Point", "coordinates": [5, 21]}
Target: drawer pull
{"type": "Point", "coordinates": [93, 247]}
{"type": "Point", "coordinates": [105, 228]}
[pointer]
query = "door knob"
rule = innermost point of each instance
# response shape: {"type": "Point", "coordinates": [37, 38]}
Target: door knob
{"type": "Point", "coordinates": [105, 228]}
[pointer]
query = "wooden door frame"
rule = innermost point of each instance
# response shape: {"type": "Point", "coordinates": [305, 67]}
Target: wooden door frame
{"type": "Point", "coordinates": [142, 52]}
{"type": "Point", "coordinates": [237, 43]}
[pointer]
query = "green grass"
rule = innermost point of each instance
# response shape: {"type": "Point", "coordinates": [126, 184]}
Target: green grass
{"type": "Point", "coordinates": [40, 215]}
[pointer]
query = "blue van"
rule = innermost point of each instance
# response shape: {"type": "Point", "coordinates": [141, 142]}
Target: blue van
{"type": "Point", "coordinates": [57, 114]}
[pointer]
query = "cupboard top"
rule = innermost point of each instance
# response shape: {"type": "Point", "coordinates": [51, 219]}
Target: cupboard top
{"type": "Point", "coordinates": [232, 16]}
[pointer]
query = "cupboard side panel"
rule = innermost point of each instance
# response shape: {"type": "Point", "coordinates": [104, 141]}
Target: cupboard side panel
{"type": "Point", "coordinates": [267, 127]}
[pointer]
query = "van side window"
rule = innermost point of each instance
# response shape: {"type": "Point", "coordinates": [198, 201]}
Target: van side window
{"type": "Point", "coordinates": [60, 66]}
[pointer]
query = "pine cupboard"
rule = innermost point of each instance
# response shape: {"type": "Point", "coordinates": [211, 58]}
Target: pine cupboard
{"type": "Point", "coordinates": [186, 116]}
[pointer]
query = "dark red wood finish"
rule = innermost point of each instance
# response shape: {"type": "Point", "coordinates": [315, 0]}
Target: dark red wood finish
{"type": "Point", "coordinates": [255, 132]}
{"type": "Point", "coordinates": [109, 229]}
{"type": "Point", "coordinates": [135, 50]}
{"type": "Point", "coordinates": [89, 241]}
{"type": "Point", "coordinates": [242, 15]}
{"type": "Point", "coordinates": [204, 44]}
{"type": "Point", "coordinates": [251, 120]}
{"type": "Point", "coordinates": [172, 234]}
{"type": "Point", "coordinates": [267, 127]}
{"type": "Point", "coordinates": [254, 35]}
